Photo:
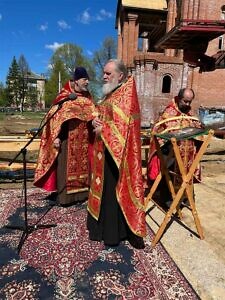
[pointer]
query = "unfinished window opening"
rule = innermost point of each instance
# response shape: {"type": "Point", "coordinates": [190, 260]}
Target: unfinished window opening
{"type": "Point", "coordinates": [166, 84]}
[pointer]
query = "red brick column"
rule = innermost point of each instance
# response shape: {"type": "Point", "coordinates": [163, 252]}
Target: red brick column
{"type": "Point", "coordinates": [132, 38]}
{"type": "Point", "coordinates": [125, 41]}
{"type": "Point", "coordinates": [119, 42]}
{"type": "Point", "coordinates": [203, 9]}
{"type": "Point", "coordinates": [184, 9]}
{"type": "Point", "coordinates": [196, 9]}
{"type": "Point", "coordinates": [170, 23]}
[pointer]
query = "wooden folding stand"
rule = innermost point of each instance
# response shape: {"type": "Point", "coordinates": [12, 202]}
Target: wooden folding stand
{"type": "Point", "coordinates": [186, 176]}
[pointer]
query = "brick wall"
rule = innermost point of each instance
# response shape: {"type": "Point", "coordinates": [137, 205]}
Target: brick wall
{"type": "Point", "coordinates": [149, 87]}
{"type": "Point", "coordinates": [210, 86]}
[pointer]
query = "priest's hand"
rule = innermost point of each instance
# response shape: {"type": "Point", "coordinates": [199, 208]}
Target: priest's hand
{"type": "Point", "coordinates": [57, 143]}
{"type": "Point", "coordinates": [98, 125]}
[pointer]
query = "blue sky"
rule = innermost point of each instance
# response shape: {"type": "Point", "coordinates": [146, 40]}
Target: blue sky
{"type": "Point", "coordinates": [36, 28]}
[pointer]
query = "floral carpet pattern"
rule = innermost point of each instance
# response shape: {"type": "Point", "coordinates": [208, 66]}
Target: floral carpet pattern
{"type": "Point", "coordinates": [60, 262]}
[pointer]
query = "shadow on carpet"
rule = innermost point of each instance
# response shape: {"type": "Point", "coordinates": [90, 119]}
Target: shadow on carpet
{"type": "Point", "coordinates": [62, 263]}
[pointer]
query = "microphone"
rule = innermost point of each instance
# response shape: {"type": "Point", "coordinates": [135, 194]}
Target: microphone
{"type": "Point", "coordinates": [72, 96]}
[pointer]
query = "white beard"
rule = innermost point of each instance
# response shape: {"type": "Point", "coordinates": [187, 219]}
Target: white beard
{"type": "Point", "coordinates": [82, 87]}
{"type": "Point", "coordinates": [109, 87]}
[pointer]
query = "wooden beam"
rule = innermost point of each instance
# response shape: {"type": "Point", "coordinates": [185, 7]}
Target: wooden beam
{"type": "Point", "coordinates": [9, 143]}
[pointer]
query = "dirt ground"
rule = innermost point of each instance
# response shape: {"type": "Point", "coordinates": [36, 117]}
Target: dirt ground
{"type": "Point", "coordinates": [17, 124]}
{"type": "Point", "coordinates": [210, 197]}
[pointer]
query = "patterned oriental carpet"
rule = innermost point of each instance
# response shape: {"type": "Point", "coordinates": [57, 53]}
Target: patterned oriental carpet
{"type": "Point", "coordinates": [61, 263]}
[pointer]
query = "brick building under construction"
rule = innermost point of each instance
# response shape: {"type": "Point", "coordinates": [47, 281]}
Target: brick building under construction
{"type": "Point", "coordinates": [170, 44]}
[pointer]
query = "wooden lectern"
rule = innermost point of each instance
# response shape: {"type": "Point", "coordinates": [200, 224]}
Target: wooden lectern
{"type": "Point", "coordinates": [186, 185]}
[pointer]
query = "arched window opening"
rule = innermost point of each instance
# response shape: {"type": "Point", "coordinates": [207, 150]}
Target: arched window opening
{"type": "Point", "coordinates": [166, 84]}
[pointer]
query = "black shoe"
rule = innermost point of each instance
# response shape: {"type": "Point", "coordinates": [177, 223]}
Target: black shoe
{"type": "Point", "coordinates": [52, 199]}
{"type": "Point", "coordinates": [137, 242]}
{"type": "Point", "coordinates": [52, 196]}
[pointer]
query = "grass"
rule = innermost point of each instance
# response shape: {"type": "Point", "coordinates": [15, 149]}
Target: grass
{"type": "Point", "coordinates": [27, 114]}
{"type": "Point", "coordinates": [17, 123]}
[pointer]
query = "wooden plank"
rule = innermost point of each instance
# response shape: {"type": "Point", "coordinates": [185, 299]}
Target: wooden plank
{"type": "Point", "coordinates": [16, 166]}
{"type": "Point", "coordinates": [9, 143]}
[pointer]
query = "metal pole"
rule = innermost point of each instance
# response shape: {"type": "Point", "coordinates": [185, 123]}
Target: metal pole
{"type": "Point", "coordinates": [59, 81]}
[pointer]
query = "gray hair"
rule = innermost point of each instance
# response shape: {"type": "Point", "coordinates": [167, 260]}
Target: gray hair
{"type": "Point", "coordinates": [120, 66]}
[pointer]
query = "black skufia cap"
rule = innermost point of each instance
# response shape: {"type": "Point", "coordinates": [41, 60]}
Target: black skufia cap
{"type": "Point", "coordinates": [80, 72]}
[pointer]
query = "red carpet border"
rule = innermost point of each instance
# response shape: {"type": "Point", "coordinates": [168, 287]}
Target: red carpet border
{"type": "Point", "coordinates": [62, 263]}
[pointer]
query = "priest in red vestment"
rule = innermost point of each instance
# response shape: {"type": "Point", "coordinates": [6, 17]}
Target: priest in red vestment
{"type": "Point", "coordinates": [64, 159]}
{"type": "Point", "coordinates": [116, 198]}
{"type": "Point", "coordinates": [176, 116]}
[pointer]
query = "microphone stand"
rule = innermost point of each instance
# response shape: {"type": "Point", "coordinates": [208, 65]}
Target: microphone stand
{"type": "Point", "coordinates": [26, 228]}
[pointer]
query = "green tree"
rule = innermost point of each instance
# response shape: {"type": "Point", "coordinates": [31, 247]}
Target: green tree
{"type": "Point", "coordinates": [23, 65]}
{"type": "Point", "coordinates": [3, 101]}
{"type": "Point", "coordinates": [57, 78]}
{"type": "Point", "coordinates": [32, 96]}
{"type": "Point", "coordinates": [63, 62]}
{"type": "Point", "coordinates": [24, 81]}
{"type": "Point", "coordinates": [72, 56]}
{"type": "Point", "coordinates": [107, 51]}
{"type": "Point", "coordinates": [13, 84]}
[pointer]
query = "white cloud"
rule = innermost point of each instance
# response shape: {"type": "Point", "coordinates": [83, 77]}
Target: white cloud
{"type": "Point", "coordinates": [44, 27]}
{"type": "Point", "coordinates": [49, 67]}
{"type": "Point", "coordinates": [105, 14]}
{"type": "Point", "coordinates": [99, 18]}
{"type": "Point", "coordinates": [54, 46]}
{"type": "Point", "coordinates": [63, 25]}
{"type": "Point", "coordinates": [0, 17]}
{"type": "Point", "coordinates": [87, 18]}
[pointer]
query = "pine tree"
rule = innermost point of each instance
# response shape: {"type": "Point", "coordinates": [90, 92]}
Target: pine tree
{"type": "Point", "coordinates": [13, 85]}
{"type": "Point", "coordinates": [2, 95]}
